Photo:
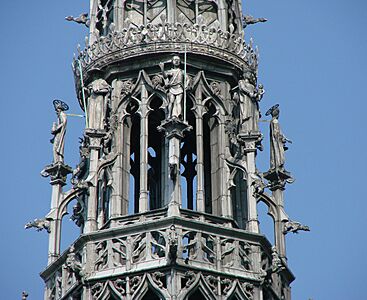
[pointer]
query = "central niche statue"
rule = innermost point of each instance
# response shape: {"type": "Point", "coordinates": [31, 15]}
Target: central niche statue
{"type": "Point", "coordinates": [277, 140]}
{"type": "Point", "coordinates": [59, 131]}
{"type": "Point", "coordinates": [176, 86]}
{"type": "Point", "coordinates": [98, 92]}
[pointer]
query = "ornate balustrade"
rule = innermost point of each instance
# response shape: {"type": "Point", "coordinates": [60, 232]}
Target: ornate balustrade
{"type": "Point", "coordinates": [215, 253]}
{"type": "Point", "coordinates": [166, 37]}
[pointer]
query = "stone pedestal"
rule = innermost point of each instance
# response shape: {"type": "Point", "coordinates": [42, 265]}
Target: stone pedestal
{"type": "Point", "coordinates": [174, 130]}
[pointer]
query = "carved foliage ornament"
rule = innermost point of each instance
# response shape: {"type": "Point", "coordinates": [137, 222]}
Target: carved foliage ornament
{"type": "Point", "coordinates": [130, 36]}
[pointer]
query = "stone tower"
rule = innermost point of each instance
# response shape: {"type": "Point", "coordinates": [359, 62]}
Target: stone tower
{"type": "Point", "coordinates": [167, 185]}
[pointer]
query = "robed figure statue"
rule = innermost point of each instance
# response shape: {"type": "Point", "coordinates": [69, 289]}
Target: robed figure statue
{"type": "Point", "coordinates": [59, 131]}
{"type": "Point", "coordinates": [176, 87]}
{"type": "Point", "coordinates": [249, 98]}
{"type": "Point", "coordinates": [277, 140]}
{"type": "Point", "coordinates": [98, 92]}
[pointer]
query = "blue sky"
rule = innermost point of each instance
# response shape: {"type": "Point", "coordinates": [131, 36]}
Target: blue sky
{"type": "Point", "coordinates": [313, 62]}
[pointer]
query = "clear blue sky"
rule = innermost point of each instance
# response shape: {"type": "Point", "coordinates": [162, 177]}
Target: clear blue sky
{"type": "Point", "coordinates": [313, 62]}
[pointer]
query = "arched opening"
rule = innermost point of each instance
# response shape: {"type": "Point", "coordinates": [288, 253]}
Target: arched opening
{"type": "Point", "coordinates": [188, 162]}
{"type": "Point", "coordinates": [143, 12]}
{"type": "Point", "coordinates": [150, 295]}
{"type": "Point", "coordinates": [69, 230]}
{"type": "Point", "coordinates": [197, 295]}
{"type": "Point", "coordinates": [239, 199]}
{"type": "Point", "coordinates": [156, 153]}
{"type": "Point", "coordinates": [234, 297]}
{"type": "Point", "coordinates": [104, 192]}
{"type": "Point", "coordinates": [105, 16]}
{"type": "Point", "coordinates": [211, 159]}
{"type": "Point", "coordinates": [189, 11]}
{"type": "Point", "coordinates": [266, 222]}
{"type": "Point", "coordinates": [134, 155]}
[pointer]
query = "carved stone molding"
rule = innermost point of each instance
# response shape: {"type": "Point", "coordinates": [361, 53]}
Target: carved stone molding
{"type": "Point", "coordinates": [153, 38]}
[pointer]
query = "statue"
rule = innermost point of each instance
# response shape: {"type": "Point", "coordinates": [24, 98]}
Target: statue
{"type": "Point", "coordinates": [294, 227]}
{"type": "Point", "coordinates": [176, 87]}
{"type": "Point", "coordinates": [277, 140]}
{"type": "Point", "coordinates": [73, 263]}
{"type": "Point", "coordinates": [82, 19]}
{"type": "Point", "coordinates": [249, 98]}
{"type": "Point", "coordinates": [250, 20]}
{"type": "Point", "coordinates": [98, 91]}
{"type": "Point", "coordinates": [39, 224]}
{"type": "Point", "coordinates": [59, 131]}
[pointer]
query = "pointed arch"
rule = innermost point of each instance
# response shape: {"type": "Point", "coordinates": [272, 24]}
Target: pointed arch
{"type": "Point", "coordinates": [148, 285]}
{"type": "Point", "coordinates": [200, 80]}
{"type": "Point", "coordinates": [199, 286]}
{"type": "Point", "coordinates": [109, 292]}
{"type": "Point", "coordinates": [236, 293]}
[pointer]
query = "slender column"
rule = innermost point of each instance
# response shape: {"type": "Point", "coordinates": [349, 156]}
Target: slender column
{"type": "Point", "coordinates": [93, 21]}
{"type": "Point", "coordinates": [92, 205]}
{"type": "Point", "coordinates": [58, 172]}
{"type": "Point", "coordinates": [278, 195]}
{"type": "Point", "coordinates": [253, 223]}
{"type": "Point", "coordinates": [171, 11]}
{"type": "Point", "coordinates": [117, 147]}
{"type": "Point", "coordinates": [174, 130]}
{"type": "Point", "coordinates": [143, 199]}
{"type": "Point", "coordinates": [165, 172]}
{"type": "Point", "coordinates": [126, 132]}
{"type": "Point", "coordinates": [200, 198]}
{"type": "Point", "coordinates": [249, 143]}
{"type": "Point", "coordinates": [54, 238]}
{"type": "Point", "coordinates": [119, 14]}
{"type": "Point", "coordinates": [222, 172]}
{"type": "Point", "coordinates": [278, 179]}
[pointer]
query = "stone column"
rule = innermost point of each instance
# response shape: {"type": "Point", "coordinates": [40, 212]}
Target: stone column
{"type": "Point", "coordinates": [279, 236]}
{"type": "Point", "coordinates": [174, 130]}
{"type": "Point", "coordinates": [95, 137]}
{"type": "Point", "coordinates": [58, 172]}
{"type": "Point", "coordinates": [200, 197]}
{"type": "Point", "coordinates": [226, 211]}
{"type": "Point", "coordinates": [248, 141]}
{"type": "Point", "coordinates": [278, 179]}
{"type": "Point", "coordinates": [143, 193]}
{"type": "Point", "coordinates": [93, 19]}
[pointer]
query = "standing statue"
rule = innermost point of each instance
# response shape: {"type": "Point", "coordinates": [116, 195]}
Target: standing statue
{"type": "Point", "coordinates": [98, 92]}
{"type": "Point", "coordinates": [277, 140]}
{"type": "Point", "coordinates": [249, 98]}
{"type": "Point", "coordinates": [59, 131]}
{"type": "Point", "coordinates": [176, 87]}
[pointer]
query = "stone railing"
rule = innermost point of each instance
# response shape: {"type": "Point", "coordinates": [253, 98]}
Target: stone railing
{"type": "Point", "coordinates": [200, 38]}
{"type": "Point", "coordinates": [149, 249]}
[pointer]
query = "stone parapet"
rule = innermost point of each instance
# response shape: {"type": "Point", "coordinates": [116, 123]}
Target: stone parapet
{"type": "Point", "coordinates": [166, 37]}
{"type": "Point", "coordinates": [189, 247]}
